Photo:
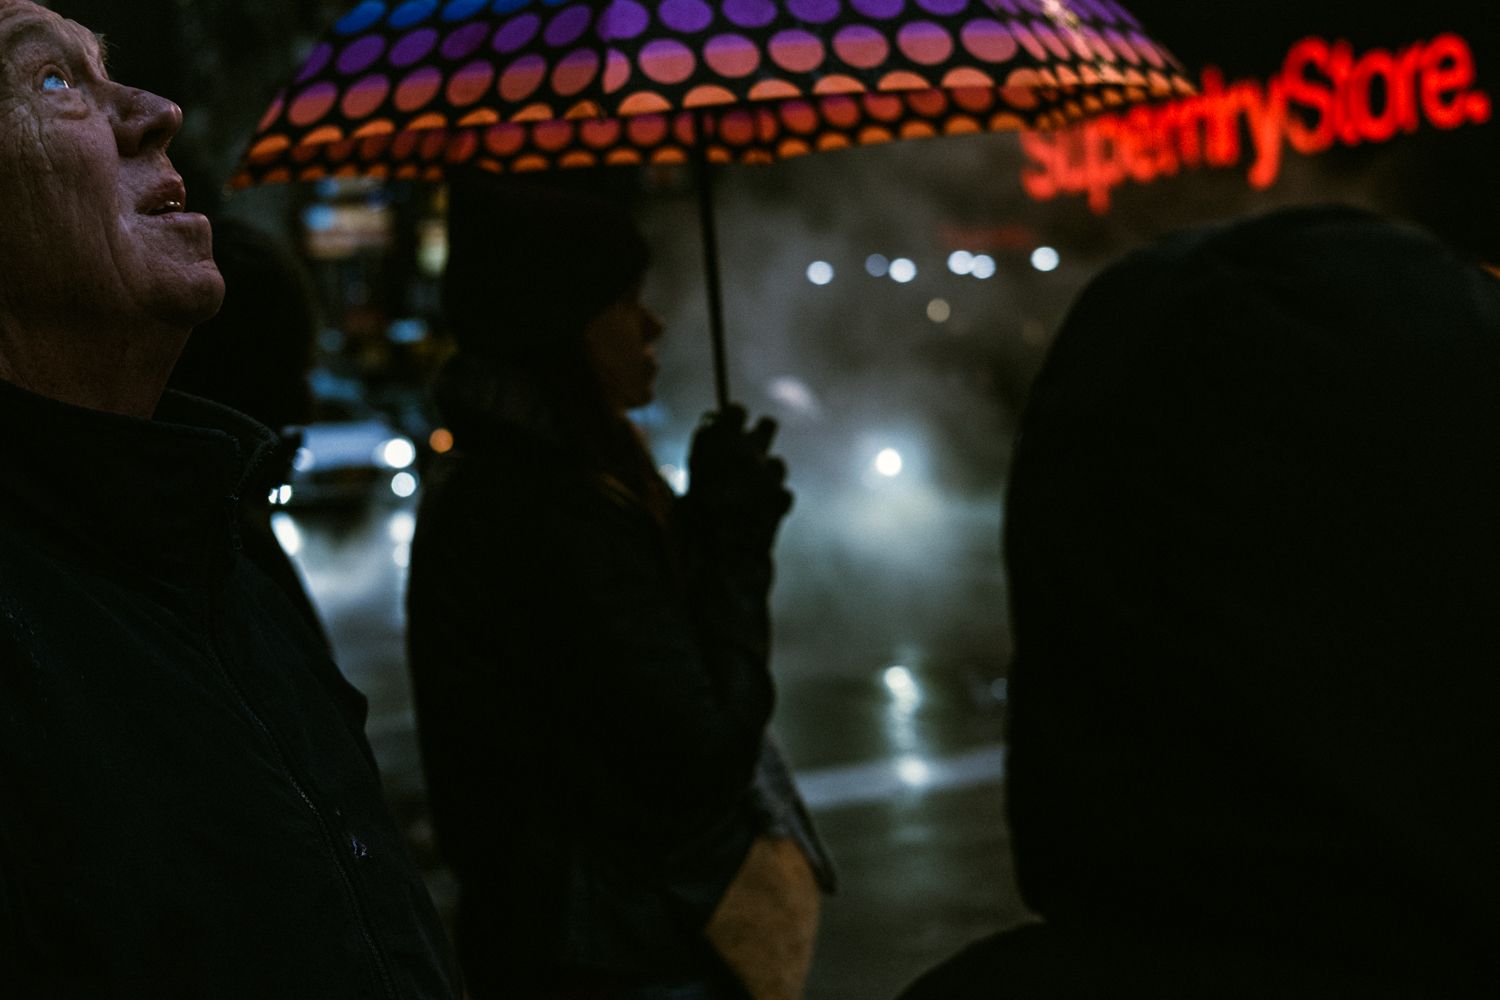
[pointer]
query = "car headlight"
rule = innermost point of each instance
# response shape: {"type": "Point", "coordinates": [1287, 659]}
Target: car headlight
{"type": "Point", "coordinates": [397, 453]}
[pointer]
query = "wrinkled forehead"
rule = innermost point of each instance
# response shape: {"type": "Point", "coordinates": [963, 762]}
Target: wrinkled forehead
{"type": "Point", "coordinates": [23, 22]}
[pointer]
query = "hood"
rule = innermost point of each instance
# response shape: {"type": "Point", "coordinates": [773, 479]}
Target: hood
{"type": "Point", "coordinates": [1253, 537]}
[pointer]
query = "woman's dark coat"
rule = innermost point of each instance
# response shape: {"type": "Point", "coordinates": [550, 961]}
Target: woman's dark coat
{"type": "Point", "coordinates": [591, 701]}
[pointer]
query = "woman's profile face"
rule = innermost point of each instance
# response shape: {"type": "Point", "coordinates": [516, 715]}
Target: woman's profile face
{"type": "Point", "coordinates": [621, 346]}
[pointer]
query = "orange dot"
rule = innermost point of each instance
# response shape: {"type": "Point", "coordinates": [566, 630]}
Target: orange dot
{"type": "Point", "coordinates": [961, 125]}
{"type": "Point", "coordinates": [584, 109]}
{"type": "Point", "coordinates": [958, 79]}
{"type": "Point", "coordinates": [504, 140]}
{"type": "Point", "coordinates": [883, 107]}
{"type": "Point", "coordinates": [838, 83]}
{"type": "Point", "coordinates": [600, 132]}
{"type": "Point", "coordinates": [646, 130]}
{"type": "Point", "coordinates": [622, 158]}
{"type": "Point", "coordinates": [479, 118]}
{"type": "Point", "coordinates": [269, 148]}
{"type": "Point", "coordinates": [552, 136]}
{"type": "Point", "coordinates": [669, 154]}
{"type": "Point", "coordinates": [737, 128]}
{"type": "Point", "coordinates": [975, 100]}
{"type": "Point", "coordinates": [530, 163]}
{"type": "Point", "coordinates": [379, 171]}
{"type": "Point", "coordinates": [644, 102]}
{"type": "Point", "coordinates": [374, 148]}
{"type": "Point", "coordinates": [462, 147]}
{"type": "Point", "coordinates": [280, 175]}
{"type": "Point", "coordinates": [440, 441]}
{"type": "Point", "coordinates": [534, 113]}
{"type": "Point", "coordinates": [799, 116]}
{"type": "Point", "coordinates": [927, 103]}
{"type": "Point", "coordinates": [917, 130]}
{"type": "Point", "coordinates": [407, 172]}
{"type": "Point", "coordinates": [790, 148]}
{"type": "Point", "coordinates": [832, 140]}
{"type": "Point", "coordinates": [313, 173]}
{"type": "Point", "coordinates": [380, 126]}
{"type": "Point", "coordinates": [427, 122]}
{"type": "Point", "coordinates": [774, 90]}
{"type": "Point", "coordinates": [433, 145]}
{"type": "Point", "coordinates": [902, 80]}
{"type": "Point", "coordinates": [418, 89]}
{"type": "Point", "coordinates": [840, 112]}
{"type": "Point", "coordinates": [313, 103]}
{"type": "Point", "coordinates": [347, 170]}
{"type": "Point", "coordinates": [874, 135]}
{"type": "Point", "coordinates": [707, 96]}
{"type": "Point", "coordinates": [578, 158]}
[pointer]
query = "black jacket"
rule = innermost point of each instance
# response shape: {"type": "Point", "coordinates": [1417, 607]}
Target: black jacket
{"type": "Point", "coordinates": [188, 807]}
{"type": "Point", "coordinates": [1254, 559]}
{"type": "Point", "coordinates": [591, 702]}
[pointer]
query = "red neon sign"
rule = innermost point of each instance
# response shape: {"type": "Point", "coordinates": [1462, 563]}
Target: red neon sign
{"type": "Point", "coordinates": [1323, 95]}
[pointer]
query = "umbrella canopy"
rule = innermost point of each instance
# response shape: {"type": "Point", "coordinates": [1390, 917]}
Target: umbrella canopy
{"type": "Point", "coordinates": [406, 89]}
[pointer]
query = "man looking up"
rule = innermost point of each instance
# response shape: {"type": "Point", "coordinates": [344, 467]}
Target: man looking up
{"type": "Point", "coordinates": [188, 807]}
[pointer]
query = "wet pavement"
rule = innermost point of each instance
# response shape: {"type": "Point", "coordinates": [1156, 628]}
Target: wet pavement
{"type": "Point", "coordinates": [891, 695]}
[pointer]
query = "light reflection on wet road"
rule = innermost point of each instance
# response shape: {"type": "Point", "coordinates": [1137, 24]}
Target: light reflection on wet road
{"type": "Point", "coordinates": [890, 705]}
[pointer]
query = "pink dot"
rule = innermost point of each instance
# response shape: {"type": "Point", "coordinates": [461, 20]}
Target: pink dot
{"type": "Point", "coordinates": [988, 40]}
{"type": "Point", "coordinates": [418, 89]}
{"type": "Point", "coordinates": [470, 83]}
{"type": "Point", "coordinates": [366, 95]}
{"type": "Point", "coordinates": [796, 51]}
{"type": "Point", "coordinates": [617, 70]}
{"type": "Point", "coordinates": [924, 42]}
{"type": "Point", "coordinates": [312, 104]}
{"type": "Point", "coordinates": [522, 77]}
{"type": "Point", "coordinates": [861, 47]}
{"type": "Point", "coordinates": [731, 55]}
{"type": "Point", "coordinates": [667, 61]}
{"type": "Point", "coordinates": [575, 71]}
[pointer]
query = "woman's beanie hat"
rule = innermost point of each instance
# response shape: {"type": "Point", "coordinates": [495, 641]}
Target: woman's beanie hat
{"type": "Point", "coordinates": [529, 266]}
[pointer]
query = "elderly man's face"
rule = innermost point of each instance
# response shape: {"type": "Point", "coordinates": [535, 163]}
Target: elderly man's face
{"type": "Point", "coordinates": [92, 227]}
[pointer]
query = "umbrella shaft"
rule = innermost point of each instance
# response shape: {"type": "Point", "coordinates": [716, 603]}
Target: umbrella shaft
{"type": "Point", "coordinates": [704, 171]}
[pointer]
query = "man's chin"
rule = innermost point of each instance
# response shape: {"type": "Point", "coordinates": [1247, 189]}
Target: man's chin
{"type": "Point", "coordinates": [197, 299]}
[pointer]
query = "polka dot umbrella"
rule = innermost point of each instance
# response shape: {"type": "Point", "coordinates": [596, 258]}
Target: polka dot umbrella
{"type": "Point", "coordinates": [407, 89]}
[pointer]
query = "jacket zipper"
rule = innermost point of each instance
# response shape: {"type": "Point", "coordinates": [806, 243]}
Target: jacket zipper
{"type": "Point", "coordinates": [330, 841]}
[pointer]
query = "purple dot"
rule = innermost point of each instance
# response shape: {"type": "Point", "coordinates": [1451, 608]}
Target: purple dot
{"type": "Point", "coordinates": [316, 62]}
{"type": "Point", "coordinates": [750, 13]}
{"type": "Point", "coordinates": [623, 19]}
{"type": "Point", "coordinates": [465, 41]}
{"type": "Point", "coordinates": [569, 26]}
{"type": "Point", "coordinates": [943, 8]}
{"type": "Point", "coordinates": [879, 9]}
{"type": "Point", "coordinates": [814, 11]}
{"type": "Point", "coordinates": [517, 32]}
{"type": "Point", "coordinates": [414, 47]}
{"type": "Point", "coordinates": [359, 56]}
{"type": "Point", "coordinates": [686, 16]}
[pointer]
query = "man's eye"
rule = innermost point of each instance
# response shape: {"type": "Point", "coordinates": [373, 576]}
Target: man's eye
{"type": "Point", "coordinates": [56, 81]}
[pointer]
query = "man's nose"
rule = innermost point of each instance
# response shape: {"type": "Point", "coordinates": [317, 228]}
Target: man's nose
{"type": "Point", "coordinates": [143, 121]}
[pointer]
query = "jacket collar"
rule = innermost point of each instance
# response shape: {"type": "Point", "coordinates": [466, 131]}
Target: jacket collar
{"type": "Point", "coordinates": [160, 494]}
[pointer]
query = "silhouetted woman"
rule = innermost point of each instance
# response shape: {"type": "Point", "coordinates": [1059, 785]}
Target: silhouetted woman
{"type": "Point", "coordinates": [588, 652]}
